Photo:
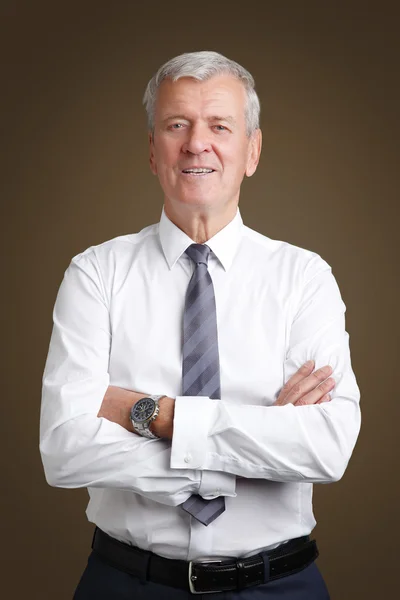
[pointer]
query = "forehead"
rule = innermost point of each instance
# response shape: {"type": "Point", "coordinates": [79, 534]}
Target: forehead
{"type": "Point", "coordinates": [217, 95]}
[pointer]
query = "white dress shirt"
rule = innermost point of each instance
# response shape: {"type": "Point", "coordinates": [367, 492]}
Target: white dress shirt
{"type": "Point", "coordinates": [118, 321]}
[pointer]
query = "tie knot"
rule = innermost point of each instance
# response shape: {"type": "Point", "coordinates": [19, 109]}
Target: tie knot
{"type": "Point", "coordinates": [199, 253]}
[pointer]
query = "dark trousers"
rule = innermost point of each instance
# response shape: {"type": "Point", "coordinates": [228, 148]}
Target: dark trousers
{"type": "Point", "coordinates": [100, 581]}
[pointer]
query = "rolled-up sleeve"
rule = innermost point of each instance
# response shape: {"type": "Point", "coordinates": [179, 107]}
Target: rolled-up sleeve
{"type": "Point", "coordinates": [79, 449]}
{"type": "Point", "coordinates": [284, 443]}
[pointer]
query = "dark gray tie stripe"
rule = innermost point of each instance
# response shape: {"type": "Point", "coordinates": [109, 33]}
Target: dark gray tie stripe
{"type": "Point", "coordinates": [194, 355]}
{"type": "Point", "coordinates": [202, 381]}
{"type": "Point", "coordinates": [201, 369]}
{"type": "Point", "coordinates": [200, 364]}
{"type": "Point", "coordinates": [195, 288]}
{"type": "Point", "coordinates": [212, 389]}
{"type": "Point", "coordinates": [192, 361]}
{"type": "Point", "coordinates": [204, 511]}
{"type": "Point", "coordinates": [206, 297]}
{"type": "Point", "coordinates": [195, 340]}
{"type": "Point", "coordinates": [201, 324]}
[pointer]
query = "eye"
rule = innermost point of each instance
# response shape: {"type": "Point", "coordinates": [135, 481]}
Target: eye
{"type": "Point", "coordinates": [175, 126]}
{"type": "Point", "coordinates": [221, 127]}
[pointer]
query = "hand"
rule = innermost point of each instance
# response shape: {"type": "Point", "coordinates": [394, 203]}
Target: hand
{"type": "Point", "coordinates": [306, 387]}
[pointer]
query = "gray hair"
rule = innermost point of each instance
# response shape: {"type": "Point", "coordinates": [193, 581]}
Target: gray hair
{"type": "Point", "coordinates": [202, 66]}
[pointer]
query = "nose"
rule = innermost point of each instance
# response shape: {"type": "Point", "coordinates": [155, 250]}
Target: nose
{"type": "Point", "coordinates": [198, 140]}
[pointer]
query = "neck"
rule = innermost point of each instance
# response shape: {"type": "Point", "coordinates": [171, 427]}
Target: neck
{"type": "Point", "coordinates": [198, 223]}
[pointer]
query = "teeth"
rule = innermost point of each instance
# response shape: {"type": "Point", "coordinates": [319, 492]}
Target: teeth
{"type": "Point", "coordinates": [197, 170]}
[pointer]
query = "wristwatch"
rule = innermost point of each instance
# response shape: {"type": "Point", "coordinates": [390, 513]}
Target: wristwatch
{"type": "Point", "coordinates": [144, 412]}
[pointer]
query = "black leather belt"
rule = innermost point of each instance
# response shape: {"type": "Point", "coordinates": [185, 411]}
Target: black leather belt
{"type": "Point", "coordinates": [201, 577]}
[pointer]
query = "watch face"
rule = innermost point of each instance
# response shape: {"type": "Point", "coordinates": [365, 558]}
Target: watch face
{"type": "Point", "coordinates": [143, 410]}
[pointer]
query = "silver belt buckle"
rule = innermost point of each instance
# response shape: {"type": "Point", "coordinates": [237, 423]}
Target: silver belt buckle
{"type": "Point", "coordinates": [193, 578]}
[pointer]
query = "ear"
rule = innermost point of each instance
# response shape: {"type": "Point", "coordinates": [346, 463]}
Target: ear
{"type": "Point", "coordinates": [153, 164]}
{"type": "Point", "coordinates": [254, 152]}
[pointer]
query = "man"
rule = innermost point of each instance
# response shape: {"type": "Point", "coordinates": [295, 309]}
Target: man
{"type": "Point", "coordinates": [199, 380]}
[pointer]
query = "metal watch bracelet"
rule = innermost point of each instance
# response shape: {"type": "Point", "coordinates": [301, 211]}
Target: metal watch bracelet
{"type": "Point", "coordinates": [143, 429]}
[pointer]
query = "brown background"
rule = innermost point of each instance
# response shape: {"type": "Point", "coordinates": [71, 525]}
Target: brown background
{"type": "Point", "coordinates": [76, 174]}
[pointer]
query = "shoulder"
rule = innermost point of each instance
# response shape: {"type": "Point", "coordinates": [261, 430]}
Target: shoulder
{"type": "Point", "coordinates": [283, 256]}
{"type": "Point", "coordinates": [105, 266]}
{"type": "Point", "coordinates": [120, 248]}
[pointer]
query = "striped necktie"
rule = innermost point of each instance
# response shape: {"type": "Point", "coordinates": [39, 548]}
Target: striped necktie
{"type": "Point", "coordinates": [200, 366]}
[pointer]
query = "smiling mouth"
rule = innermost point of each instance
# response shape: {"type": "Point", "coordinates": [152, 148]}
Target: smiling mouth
{"type": "Point", "coordinates": [198, 172]}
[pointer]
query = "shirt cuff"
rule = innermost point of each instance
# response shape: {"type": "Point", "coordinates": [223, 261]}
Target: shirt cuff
{"type": "Point", "coordinates": [192, 419]}
{"type": "Point", "coordinates": [217, 483]}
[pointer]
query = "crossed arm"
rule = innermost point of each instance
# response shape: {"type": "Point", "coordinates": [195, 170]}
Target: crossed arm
{"type": "Point", "coordinates": [86, 439]}
{"type": "Point", "coordinates": [304, 388]}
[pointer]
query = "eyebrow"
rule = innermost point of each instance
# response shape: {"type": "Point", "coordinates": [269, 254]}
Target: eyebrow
{"type": "Point", "coordinates": [170, 117]}
{"type": "Point", "coordinates": [227, 119]}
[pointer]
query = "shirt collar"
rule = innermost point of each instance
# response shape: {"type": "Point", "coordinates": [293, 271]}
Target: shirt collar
{"type": "Point", "coordinates": [223, 244]}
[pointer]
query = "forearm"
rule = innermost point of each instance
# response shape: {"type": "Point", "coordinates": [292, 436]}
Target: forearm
{"type": "Point", "coordinates": [116, 407]}
{"type": "Point", "coordinates": [94, 452]}
{"type": "Point", "coordinates": [280, 443]}
{"type": "Point", "coordinates": [101, 450]}
{"type": "Point", "coordinates": [78, 447]}
{"type": "Point", "coordinates": [283, 443]}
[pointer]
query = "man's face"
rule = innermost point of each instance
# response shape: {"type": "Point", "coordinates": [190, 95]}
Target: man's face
{"type": "Point", "coordinates": [201, 125]}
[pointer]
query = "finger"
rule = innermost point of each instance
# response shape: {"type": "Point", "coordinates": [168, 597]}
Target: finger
{"type": "Point", "coordinates": [300, 374]}
{"type": "Point", "coordinates": [308, 384]}
{"type": "Point", "coordinates": [318, 393]}
{"type": "Point", "coordinates": [326, 398]}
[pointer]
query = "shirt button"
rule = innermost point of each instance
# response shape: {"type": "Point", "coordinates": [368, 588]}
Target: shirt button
{"type": "Point", "coordinates": [188, 458]}
{"type": "Point", "coordinates": [218, 491]}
